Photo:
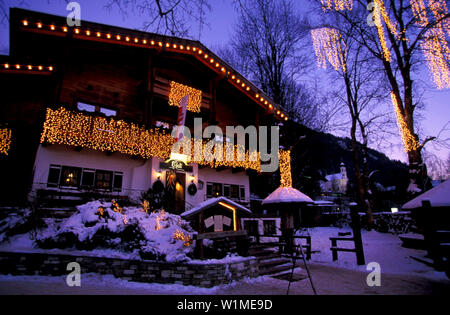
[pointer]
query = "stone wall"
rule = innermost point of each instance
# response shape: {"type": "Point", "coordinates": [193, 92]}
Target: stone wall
{"type": "Point", "coordinates": [197, 274]}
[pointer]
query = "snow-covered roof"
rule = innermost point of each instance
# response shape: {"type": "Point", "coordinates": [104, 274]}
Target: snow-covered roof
{"type": "Point", "coordinates": [324, 203]}
{"type": "Point", "coordinates": [287, 195]}
{"type": "Point", "coordinates": [438, 196]}
{"type": "Point", "coordinates": [210, 203]}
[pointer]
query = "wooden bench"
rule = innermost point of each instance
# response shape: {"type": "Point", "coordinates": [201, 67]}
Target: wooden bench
{"type": "Point", "coordinates": [335, 249]}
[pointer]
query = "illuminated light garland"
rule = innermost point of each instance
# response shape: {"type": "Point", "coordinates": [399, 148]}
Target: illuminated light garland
{"type": "Point", "coordinates": [161, 216]}
{"type": "Point", "coordinates": [186, 238]}
{"type": "Point", "coordinates": [440, 10]}
{"type": "Point", "coordinates": [115, 206]}
{"type": "Point", "coordinates": [434, 45]}
{"type": "Point", "coordinates": [419, 10]}
{"type": "Point", "coordinates": [5, 140]}
{"type": "Point", "coordinates": [62, 126]}
{"type": "Point", "coordinates": [339, 5]}
{"type": "Point", "coordinates": [178, 91]}
{"type": "Point", "coordinates": [100, 212]}
{"type": "Point", "coordinates": [328, 47]}
{"type": "Point", "coordinates": [145, 206]}
{"type": "Point", "coordinates": [409, 141]}
{"type": "Point", "coordinates": [437, 52]}
{"type": "Point", "coordinates": [233, 209]}
{"type": "Point", "coordinates": [8, 67]}
{"type": "Point", "coordinates": [284, 157]}
{"type": "Point", "coordinates": [392, 26]}
{"type": "Point", "coordinates": [380, 31]}
{"type": "Point", "coordinates": [76, 129]}
{"type": "Point", "coordinates": [117, 38]}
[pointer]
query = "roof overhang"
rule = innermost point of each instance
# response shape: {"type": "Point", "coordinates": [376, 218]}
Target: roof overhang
{"type": "Point", "coordinates": [51, 25]}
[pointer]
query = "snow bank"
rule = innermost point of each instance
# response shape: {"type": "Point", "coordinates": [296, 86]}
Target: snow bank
{"type": "Point", "coordinates": [383, 248]}
{"type": "Point", "coordinates": [99, 225]}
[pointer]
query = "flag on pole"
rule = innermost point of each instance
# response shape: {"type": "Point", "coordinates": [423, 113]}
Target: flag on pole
{"type": "Point", "coordinates": [182, 117]}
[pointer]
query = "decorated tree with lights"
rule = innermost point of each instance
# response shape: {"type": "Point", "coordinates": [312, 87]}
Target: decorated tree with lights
{"type": "Point", "coordinates": [401, 35]}
{"type": "Point", "coordinates": [352, 73]}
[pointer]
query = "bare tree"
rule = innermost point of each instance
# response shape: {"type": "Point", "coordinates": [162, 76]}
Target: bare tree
{"type": "Point", "coordinates": [267, 48]}
{"type": "Point", "coordinates": [362, 98]}
{"type": "Point", "coordinates": [173, 17]}
{"type": "Point", "coordinates": [400, 29]}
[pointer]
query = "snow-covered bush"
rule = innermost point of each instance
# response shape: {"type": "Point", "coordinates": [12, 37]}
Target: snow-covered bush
{"type": "Point", "coordinates": [23, 221]}
{"type": "Point", "coordinates": [157, 235]}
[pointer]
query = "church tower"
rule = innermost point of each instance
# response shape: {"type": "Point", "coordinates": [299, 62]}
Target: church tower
{"type": "Point", "coordinates": [343, 170]}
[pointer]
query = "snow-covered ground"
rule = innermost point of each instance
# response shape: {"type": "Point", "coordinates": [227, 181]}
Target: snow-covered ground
{"type": "Point", "coordinates": [400, 273]}
{"type": "Point", "coordinates": [383, 248]}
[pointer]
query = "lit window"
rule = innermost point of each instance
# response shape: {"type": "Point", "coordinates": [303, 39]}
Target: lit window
{"type": "Point", "coordinates": [70, 177]}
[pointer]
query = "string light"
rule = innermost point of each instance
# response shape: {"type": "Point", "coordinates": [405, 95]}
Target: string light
{"type": "Point", "coordinates": [409, 141]}
{"type": "Point", "coordinates": [115, 206]}
{"type": "Point", "coordinates": [5, 140]}
{"type": "Point", "coordinates": [436, 52]}
{"type": "Point", "coordinates": [76, 129]}
{"type": "Point", "coordinates": [328, 46]}
{"type": "Point", "coordinates": [380, 31]}
{"type": "Point", "coordinates": [178, 91]}
{"type": "Point", "coordinates": [145, 206]}
{"type": "Point", "coordinates": [100, 212]}
{"type": "Point", "coordinates": [434, 45]}
{"type": "Point", "coordinates": [127, 39]}
{"type": "Point", "coordinates": [339, 5]}
{"type": "Point", "coordinates": [284, 157]}
{"type": "Point", "coordinates": [186, 238]}
{"type": "Point", "coordinates": [161, 216]}
{"type": "Point", "coordinates": [233, 209]}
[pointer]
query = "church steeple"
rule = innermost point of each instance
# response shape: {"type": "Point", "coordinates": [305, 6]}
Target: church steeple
{"type": "Point", "coordinates": [343, 170]}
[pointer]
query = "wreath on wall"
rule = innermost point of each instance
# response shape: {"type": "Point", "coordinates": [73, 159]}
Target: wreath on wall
{"type": "Point", "coordinates": [192, 189]}
{"type": "Point", "coordinates": [158, 186]}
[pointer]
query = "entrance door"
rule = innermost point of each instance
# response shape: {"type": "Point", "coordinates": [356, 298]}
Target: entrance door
{"type": "Point", "coordinates": [180, 189]}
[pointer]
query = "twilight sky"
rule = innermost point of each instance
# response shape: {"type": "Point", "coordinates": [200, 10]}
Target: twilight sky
{"type": "Point", "coordinates": [221, 20]}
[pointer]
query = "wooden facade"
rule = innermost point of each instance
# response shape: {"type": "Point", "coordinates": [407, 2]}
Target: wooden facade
{"type": "Point", "coordinates": [121, 70]}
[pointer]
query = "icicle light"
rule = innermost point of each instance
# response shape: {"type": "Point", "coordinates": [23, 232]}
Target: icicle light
{"type": "Point", "coordinates": [285, 168]}
{"type": "Point", "coordinates": [328, 46]}
{"type": "Point", "coordinates": [437, 52]}
{"type": "Point", "coordinates": [434, 45]}
{"type": "Point", "coordinates": [62, 126]}
{"type": "Point", "coordinates": [379, 25]}
{"type": "Point", "coordinates": [338, 5]}
{"type": "Point", "coordinates": [409, 141]}
{"type": "Point", "coordinates": [5, 140]}
{"type": "Point", "coordinates": [178, 91]}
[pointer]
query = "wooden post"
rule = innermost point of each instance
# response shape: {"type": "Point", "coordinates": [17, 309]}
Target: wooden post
{"type": "Point", "coordinates": [308, 249]}
{"type": "Point", "coordinates": [356, 227]}
{"type": "Point", "coordinates": [333, 249]}
{"type": "Point", "coordinates": [430, 235]}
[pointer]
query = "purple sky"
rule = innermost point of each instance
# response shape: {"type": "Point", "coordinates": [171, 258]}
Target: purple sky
{"type": "Point", "coordinates": [221, 20]}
